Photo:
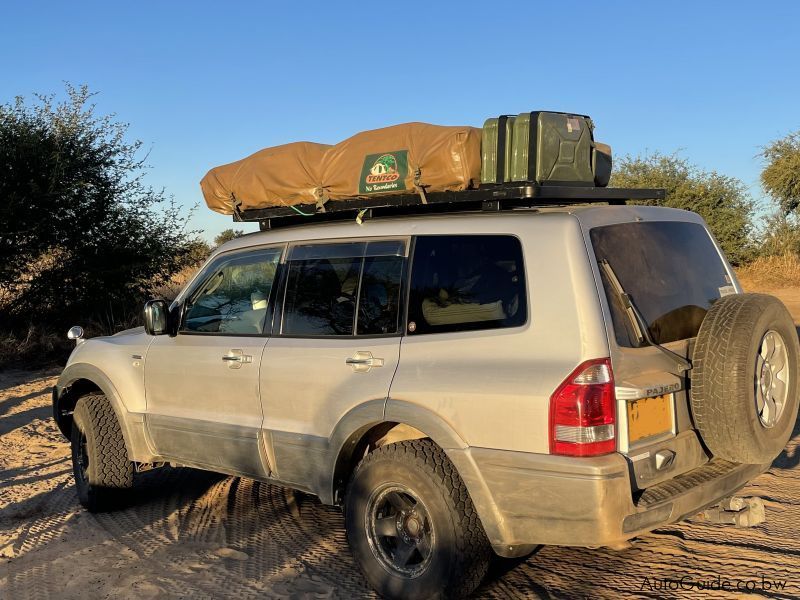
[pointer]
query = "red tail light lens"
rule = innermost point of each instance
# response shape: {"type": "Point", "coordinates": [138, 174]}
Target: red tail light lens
{"type": "Point", "coordinates": [583, 411]}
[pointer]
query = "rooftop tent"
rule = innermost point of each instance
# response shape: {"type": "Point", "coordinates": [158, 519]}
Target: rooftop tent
{"type": "Point", "coordinates": [393, 160]}
{"type": "Point", "coordinates": [279, 176]}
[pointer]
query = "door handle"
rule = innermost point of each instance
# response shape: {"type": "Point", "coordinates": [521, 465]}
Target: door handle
{"type": "Point", "coordinates": [372, 362]}
{"type": "Point", "coordinates": [236, 358]}
{"type": "Point", "coordinates": [363, 361]}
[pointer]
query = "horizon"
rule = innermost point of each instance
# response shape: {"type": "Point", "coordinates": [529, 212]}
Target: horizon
{"type": "Point", "coordinates": [714, 82]}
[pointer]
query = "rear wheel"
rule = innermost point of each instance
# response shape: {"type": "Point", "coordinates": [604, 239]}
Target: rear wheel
{"type": "Point", "coordinates": [411, 524]}
{"type": "Point", "coordinates": [744, 394]}
{"type": "Point", "coordinates": [99, 458]}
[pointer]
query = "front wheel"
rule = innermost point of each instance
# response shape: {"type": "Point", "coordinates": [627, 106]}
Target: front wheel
{"type": "Point", "coordinates": [99, 458]}
{"type": "Point", "coordinates": [411, 524]}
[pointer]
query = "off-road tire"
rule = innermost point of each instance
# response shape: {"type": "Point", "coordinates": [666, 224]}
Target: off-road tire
{"type": "Point", "coordinates": [460, 553]}
{"type": "Point", "coordinates": [723, 378]}
{"type": "Point", "coordinates": [97, 436]}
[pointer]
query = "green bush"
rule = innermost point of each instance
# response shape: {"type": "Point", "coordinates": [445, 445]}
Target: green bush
{"type": "Point", "coordinates": [781, 175]}
{"type": "Point", "coordinates": [82, 238]}
{"type": "Point", "coordinates": [227, 235]}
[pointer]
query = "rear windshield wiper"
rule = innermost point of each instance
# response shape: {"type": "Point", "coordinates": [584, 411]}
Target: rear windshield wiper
{"type": "Point", "coordinates": [638, 323]}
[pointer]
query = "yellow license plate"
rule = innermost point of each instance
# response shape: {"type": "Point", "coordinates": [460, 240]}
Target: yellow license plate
{"type": "Point", "coordinates": [649, 416]}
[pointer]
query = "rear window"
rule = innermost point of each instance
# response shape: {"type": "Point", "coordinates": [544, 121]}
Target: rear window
{"type": "Point", "coordinates": [671, 270]}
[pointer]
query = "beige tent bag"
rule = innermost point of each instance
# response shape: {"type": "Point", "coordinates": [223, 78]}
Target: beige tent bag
{"type": "Point", "coordinates": [280, 176]}
{"type": "Point", "coordinates": [403, 159]}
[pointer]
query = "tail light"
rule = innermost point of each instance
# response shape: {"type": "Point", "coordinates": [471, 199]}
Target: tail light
{"type": "Point", "coordinates": [583, 412]}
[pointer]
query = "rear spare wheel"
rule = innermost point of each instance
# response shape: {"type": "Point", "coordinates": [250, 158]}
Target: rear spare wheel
{"type": "Point", "coordinates": [744, 378]}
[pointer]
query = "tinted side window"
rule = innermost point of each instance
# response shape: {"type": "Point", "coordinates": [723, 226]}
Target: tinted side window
{"type": "Point", "coordinates": [671, 270]}
{"type": "Point", "coordinates": [343, 289]}
{"type": "Point", "coordinates": [321, 296]}
{"type": "Point", "coordinates": [233, 298]}
{"type": "Point", "coordinates": [466, 282]}
{"type": "Point", "coordinates": [379, 298]}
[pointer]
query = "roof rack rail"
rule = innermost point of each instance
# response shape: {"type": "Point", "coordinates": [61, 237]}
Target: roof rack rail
{"type": "Point", "coordinates": [486, 198]}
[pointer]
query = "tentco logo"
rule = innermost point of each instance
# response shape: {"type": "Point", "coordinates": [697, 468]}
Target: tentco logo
{"type": "Point", "coordinates": [383, 170]}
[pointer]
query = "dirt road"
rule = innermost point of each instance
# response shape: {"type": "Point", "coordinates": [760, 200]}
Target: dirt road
{"type": "Point", "coordinates": [192, 534]}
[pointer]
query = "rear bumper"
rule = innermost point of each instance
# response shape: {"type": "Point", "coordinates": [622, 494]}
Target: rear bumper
{"type": "Point", "coordinates": [531, 499]}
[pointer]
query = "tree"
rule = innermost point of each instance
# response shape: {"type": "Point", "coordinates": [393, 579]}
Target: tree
{"type": "Point", "coordinates": [781, 175]}
{"type": "Point", "coordinates": [780, 235]}
{"type": "Point", "coordinates": [227, 235]}
{"type": "Point", "coordinates": [196, 251]}
{"type": "Point", "coordinates": [721, 200]}
{"type": "Point", "coordinates": [81, 235]}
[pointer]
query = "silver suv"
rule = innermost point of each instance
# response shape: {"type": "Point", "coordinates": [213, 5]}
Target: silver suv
{"type": "Point", "coordinates": [460, 384]}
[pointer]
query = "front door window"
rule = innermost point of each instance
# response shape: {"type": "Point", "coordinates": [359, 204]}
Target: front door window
{"type": "Point", "coordinates": [233, 299]}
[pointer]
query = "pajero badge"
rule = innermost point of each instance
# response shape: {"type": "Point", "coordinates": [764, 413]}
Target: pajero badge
{"type": "Point", "coordinates": [385, 172]}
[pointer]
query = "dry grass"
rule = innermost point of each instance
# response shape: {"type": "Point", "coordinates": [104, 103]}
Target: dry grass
{"type": "Point", "coordinates": [170, 289]}
{"type": "Point", "coordinates": [771, 272]}
{"type": "Point", "coordinates": [36, 346]}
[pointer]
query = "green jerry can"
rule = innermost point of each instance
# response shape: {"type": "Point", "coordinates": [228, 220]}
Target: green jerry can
{"type": "Point", "coordinates": [496, 139]}
{"type": "Point", "coordinates": [601, 164]}
{"type": "Point", "coordinates": [552, 148]}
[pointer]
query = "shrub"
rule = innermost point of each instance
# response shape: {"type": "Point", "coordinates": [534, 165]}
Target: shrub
{"type": "Point", "coordinates": [82, 238]}
{"type": "Point", "coordinates": [781, 175]}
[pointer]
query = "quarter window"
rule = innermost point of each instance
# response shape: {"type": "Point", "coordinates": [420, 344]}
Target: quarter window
{"type": "Point", "coordinates": [233, 299]}
{"type": "Point", "coordinates": [461, 283]}
{"type": "Point", "coordinates": [343, 289]}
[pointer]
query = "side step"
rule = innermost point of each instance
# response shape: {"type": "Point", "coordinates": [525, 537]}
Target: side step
{"type": "Point", "coordinates": [737, 511]}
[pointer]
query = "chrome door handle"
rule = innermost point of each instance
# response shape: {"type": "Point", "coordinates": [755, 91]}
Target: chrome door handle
{"type": "Point", "coordinates": [372, 362]}
{"type": "Point", "coordinates": [363, 361]}
{"type": "Point", "coordinates": [236, 358]}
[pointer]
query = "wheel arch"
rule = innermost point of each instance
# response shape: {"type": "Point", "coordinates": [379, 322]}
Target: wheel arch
{"type": "Point", "coordinates": [79, 379]}
{"type": "Point", "coordinates": [357, 434]}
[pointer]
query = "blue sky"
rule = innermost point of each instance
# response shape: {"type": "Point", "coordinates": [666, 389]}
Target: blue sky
{"type": "Point", "coordinates": [206, 83]}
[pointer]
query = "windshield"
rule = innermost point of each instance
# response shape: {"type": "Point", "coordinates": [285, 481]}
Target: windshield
{"type": "Point", "coordinates": [670, 269]}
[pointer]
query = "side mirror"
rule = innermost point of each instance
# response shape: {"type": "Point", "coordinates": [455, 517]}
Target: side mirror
{"type": "Point", "coordinates": [156, 321]}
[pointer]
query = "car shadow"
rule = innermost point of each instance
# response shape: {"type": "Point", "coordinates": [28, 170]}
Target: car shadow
{"type": "Point", "coordinates": [10, 403]}
{"type": "Point", "coordinates": [11, 422]}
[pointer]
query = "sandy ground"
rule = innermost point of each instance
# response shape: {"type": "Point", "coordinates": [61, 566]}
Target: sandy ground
{"type": "Point", "coordinates": [187, 533]}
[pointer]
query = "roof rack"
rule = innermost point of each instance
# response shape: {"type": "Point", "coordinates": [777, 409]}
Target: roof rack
{"type": "Point", "coordinates": [486, 198]}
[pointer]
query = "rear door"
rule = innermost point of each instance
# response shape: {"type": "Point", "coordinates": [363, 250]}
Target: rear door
{"type": "Point", "coordinates": [336, 346]}
{"type": "Point", "coordinates": [673, 272]}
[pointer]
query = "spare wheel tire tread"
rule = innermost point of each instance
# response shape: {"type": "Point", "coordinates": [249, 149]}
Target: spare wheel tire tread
{"type": "Point", "coordinates": [722, 391]}
{"type": "Point", "coordinates": [708, 374]}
